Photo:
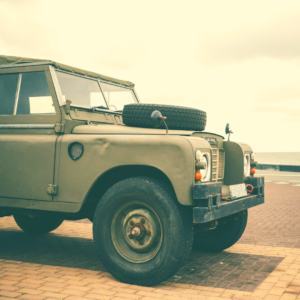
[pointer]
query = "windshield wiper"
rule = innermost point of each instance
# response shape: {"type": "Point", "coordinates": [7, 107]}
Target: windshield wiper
{"type": "Point", "coordinates": [104, 107]}
{"type": "Point", "coordinates": [101, 107]}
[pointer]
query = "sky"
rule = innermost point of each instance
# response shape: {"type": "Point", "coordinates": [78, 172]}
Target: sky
{"type": "Point", "coordinates": [237, 60]}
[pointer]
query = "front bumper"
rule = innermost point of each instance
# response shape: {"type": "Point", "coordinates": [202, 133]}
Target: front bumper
{"type": "Point", "coordinates": [212, 207]}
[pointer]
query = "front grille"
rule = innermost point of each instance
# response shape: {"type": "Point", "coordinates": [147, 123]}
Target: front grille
{"type": "Point", "coordinates": [218, 163]}
{"type": "Point", "coordinates": [214, 159]}
{"type": "Point", "coordinates": [221, 164]}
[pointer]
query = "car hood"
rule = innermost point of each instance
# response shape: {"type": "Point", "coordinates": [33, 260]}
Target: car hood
{"type": "Point", "coordinates": [117, 129]}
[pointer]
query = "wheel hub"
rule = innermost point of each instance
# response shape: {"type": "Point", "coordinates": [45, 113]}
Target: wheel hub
{"type": "Point", "coordinates": [140, 230]}
{"type": "Point", "coordinates": [136, 233]}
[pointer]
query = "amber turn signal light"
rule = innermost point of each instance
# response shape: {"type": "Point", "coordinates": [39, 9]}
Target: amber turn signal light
{"type": "Point", "coordinates": [198, 176]}
{"type": "Point", "coordinates": [252, 171]}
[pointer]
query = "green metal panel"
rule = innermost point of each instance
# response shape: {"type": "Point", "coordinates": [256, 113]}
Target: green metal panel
{"type": "Point", "coordinates": [234, 162]}
{"type": "Point", "coordinates": [26, 165]}
{"type": "Point", "coordinates": [171, 154]}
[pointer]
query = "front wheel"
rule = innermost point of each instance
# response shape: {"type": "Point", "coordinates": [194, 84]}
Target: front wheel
{"type": "Point", "coordinates": [37, 224]}
{"type": "Point", "coordinates": [226, 234]}
{"type": "Point", "coordinates": [143, 236]}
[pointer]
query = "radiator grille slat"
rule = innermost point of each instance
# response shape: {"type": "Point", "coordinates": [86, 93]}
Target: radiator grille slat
{"type": "Point", "coordinates": [221, 164]}
{"type": "Point", "coordinates": [214, 170]}
{"type": "Point", "coordinates": [218, 163]}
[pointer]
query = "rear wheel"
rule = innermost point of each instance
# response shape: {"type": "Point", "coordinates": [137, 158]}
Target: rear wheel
{"type": "Point", "coordinates": [37, 224]}
{"type": "Point", "coordinates": [223, 236]}
{"type": "Point", "coordinates": [142, 234]}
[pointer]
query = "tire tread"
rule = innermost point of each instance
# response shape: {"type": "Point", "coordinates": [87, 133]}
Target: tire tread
{"type": "Point", "coordinates": [178, 117]}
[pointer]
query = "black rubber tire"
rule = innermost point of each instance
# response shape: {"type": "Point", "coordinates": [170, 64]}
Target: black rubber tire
{"type": "Point", "coordinates": [178, 117]}
{"type": "Point", "coordinates": [37, 225]}
{"type": "Point", "coordinates": [222, 237]}
{"type": "Point", "coordinates": [177, 226]}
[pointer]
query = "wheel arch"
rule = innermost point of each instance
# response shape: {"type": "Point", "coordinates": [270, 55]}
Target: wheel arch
{"type": "Point", "coordinates": [114, 175]}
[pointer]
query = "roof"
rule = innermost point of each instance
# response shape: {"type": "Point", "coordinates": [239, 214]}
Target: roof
{"type": "Point", "coordinates": [14, 60]}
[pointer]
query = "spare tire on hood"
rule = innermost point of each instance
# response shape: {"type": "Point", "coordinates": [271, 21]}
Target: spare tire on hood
{"type": "Point", "coordinates": [178, 117]}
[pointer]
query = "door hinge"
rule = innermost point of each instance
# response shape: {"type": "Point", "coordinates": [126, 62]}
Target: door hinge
{"type": "Point", "coordinates": [59, 128]}
{"type": "Point", "coordinates": [68, 106]}
{"type": "Point", "coordinates": [52, 189]}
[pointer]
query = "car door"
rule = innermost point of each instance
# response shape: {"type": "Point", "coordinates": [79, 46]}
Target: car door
{"type": "Point", "coordinates": [28, 114]}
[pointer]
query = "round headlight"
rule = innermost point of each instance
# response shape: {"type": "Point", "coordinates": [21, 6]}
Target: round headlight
{"type": "Point", "coordinates": [204, 172]}
{"type": "Point", "coordinates": [252, 156]}
{"type": "Point", "coordinates": [75, 150]}
{"type": "Point", "coordinates": [246, 165]}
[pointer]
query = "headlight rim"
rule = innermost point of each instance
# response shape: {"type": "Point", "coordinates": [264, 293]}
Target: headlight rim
{"type": "Point", "coordinates": [247, 168]}
{"type": "Point", "coordinates": [207, 170]}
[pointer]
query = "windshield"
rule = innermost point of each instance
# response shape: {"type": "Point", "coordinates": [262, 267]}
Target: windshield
{"type": "Point", "coordinates": [81, 91]}
{"type": "Point", "coordinates": [86, 92]}
{"type": "Point", "coordinates": [117, 96]}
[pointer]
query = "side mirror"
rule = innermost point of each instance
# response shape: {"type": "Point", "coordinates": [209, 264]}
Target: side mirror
{"type": "Point", "coordinates": [156, 118]}
{"type": "Point", "coordinates": [227, 130]}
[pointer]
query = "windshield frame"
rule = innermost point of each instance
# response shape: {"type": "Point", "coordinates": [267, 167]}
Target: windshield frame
{"type": "Point", "coordinates": [59, 94]}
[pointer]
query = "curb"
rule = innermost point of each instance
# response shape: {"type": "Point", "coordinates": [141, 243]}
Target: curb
{"type": "Point", "coordinates": [285, 168]}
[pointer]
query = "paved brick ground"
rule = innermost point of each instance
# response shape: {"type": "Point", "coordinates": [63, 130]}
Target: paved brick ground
{"type": "Point", "coordinates": [265, 264]}
{"type": "Point", "coordinates": [277, 221]}
{"type": "Point", "coordinates": [236, 271]}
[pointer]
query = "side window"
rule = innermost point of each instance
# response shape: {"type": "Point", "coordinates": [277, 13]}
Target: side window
{"type": "Point", "coordinates": [8, 90]}
{"type": "Point", "coordinates": [34, 95]}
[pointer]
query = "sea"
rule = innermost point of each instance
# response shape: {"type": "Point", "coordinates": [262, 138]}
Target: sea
{"type": "Point", "coordinates": [278, 158]}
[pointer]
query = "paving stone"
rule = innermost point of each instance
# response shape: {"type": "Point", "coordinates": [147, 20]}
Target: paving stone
{"type": "Point", "coordinates": [32, 297]}
{"type": "Point", "coordinates": [288, 296]}
{"type": "Point", "coordinates": [293, 289]}
{"type": "Point", "coordinates": [98, 297]}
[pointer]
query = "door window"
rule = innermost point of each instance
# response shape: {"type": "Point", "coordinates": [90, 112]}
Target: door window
{"type": "Point", "coordinates": [34, 97]}
{"type": "Point", "coordinates": [8, 89]}
{"type": "Point", "coordinates": [25, 94]}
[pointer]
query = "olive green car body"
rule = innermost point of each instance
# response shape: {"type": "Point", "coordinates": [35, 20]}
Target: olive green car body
{"type": "Point", "coordinates": [38, 175]}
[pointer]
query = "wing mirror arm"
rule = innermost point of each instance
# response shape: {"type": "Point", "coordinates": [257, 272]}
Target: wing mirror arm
{"type": "Point", "coordinates": [167, 129]}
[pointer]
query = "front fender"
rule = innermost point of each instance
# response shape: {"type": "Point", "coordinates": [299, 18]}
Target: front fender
{"type": "Point", "coordinates": [173, 155]}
